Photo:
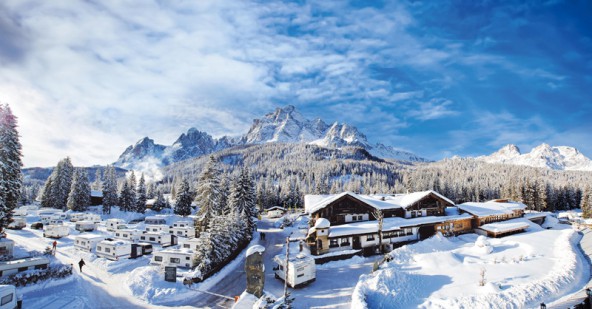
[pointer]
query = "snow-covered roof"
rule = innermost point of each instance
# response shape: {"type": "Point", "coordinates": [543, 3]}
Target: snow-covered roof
{"type": "Point", "coordinates": [314, 203]}
{"type": "Point", "coordinates": [506, 226]}
{"type": "Point", "coordinates": [91, 236]}
{"type": "Point", "coordinates": [96, 193]}
{"type": "Point", "coordinates": [177, 250]}
{"type": "Point", "coordinates": [115, 242]}
{"type": "Point", "coordinates": [322, 223]}
{"type": "Point", "coordinates": [296, 259]}
{"type": "Point", "coordinates": [255, 249]}
{"type": "Point", "coordinates": [276, 208]}
{"type": "Point", "coordinates": [491, 208]}
{"type": "Point", "coordinates": [536, 215]}
{"type": "Point", "coordinates": [389, 224]}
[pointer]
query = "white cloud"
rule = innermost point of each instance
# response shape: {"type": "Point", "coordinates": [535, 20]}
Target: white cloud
{"type": "Point", "coordinates": [433, 109]}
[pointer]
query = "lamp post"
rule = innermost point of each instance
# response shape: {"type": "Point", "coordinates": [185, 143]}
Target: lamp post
{"type": "Point", "coordinates": [543, 306]}
{"type": "Point", "coordinates": [589, 299]}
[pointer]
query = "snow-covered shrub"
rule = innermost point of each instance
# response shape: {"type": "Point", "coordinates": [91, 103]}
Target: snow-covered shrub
{"type": "Point", "coordinates": [33, 276]}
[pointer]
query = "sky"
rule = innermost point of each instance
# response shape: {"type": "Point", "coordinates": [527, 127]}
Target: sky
{"type": "Point", "coordinates": [86, 79]}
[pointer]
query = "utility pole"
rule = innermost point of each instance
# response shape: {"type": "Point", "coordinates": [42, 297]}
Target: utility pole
{"type": "Point", "coordinates": [287, 267]}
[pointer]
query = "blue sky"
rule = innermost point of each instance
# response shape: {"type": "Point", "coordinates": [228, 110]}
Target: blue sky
{"type": "Point", "coordinates": [88, 79]}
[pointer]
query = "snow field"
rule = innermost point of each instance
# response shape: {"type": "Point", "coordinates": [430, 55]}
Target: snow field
{"type": "Point", "coordinates": [521, 270]}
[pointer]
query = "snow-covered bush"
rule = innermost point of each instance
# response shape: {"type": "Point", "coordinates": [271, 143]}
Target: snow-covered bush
{"type": "Point", "coordinates": [33, 276]}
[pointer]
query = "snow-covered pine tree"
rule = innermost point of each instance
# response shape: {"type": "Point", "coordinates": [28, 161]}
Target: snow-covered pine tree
{"type": "Point", "coordinates": [184, 199]}
{"type": "Point", "coordinates": [98, 183]}
{"type": "Point", "coordinates": [133, 185]}
{"type": "Point", "coordinates": [141, 196]}
{"type": "Point", "coordinates": [61, 183]}
{"type": "Point", "coordinates": [208, 194]}
{"type": "Point", "coordinates": [10, 165]}
{"type": "Point", "coordinates": [46, 195]}
{"type": "Point", "coordinates": [79, 197]}
{"type": "Point", "coordinates": [110, 197]}
{"type": "Point", "coordinates": [220, 235]}
{"type": "Point", "coordinates": [224, 195]}
{"type": "Point", "coordinates": [243, 199]}
{"type": "Point", "coordinates": [159, 203]}
{"type": "Point", "coordinates": [126, 200]}
{"type": "Point", "coordinates": [203, 256]}
{"type": "Point", "coordinates": [586, 203]}
{"type": "Point", "coordinates": [151, 190]}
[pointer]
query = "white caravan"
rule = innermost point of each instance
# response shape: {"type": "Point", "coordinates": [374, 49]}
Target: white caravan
{"type": "Point", "coordinates": [18, 223]}
{"type": "Point", "coordinates": [75, 217]}
{"type": "Point", "coordinates": [157, 228]}
{"type": "Point", "coordinates": [114, 249]}
{"type": "Point", "coordinates": [161, 238]}
{"type": "Point", "coordinates": [184, 258]}
{"type": "Point", "coordinates": [128, 234]}
{"type": "Point", "coordinates": [6, 248]}
{"type": "Point", "coordinates": [92, 217]}
{"type": "Point", "coordinates": [301, 269]}
{"type": "Point", "coordinates": [112, 224]}
{"type": "Point", "coordinates": [16, 266]}
{"type": "Point", "coordinates": [87, 242]}
{"type": "Point", "coordinates": [56, 231]}
{"type": "Point", "coordinates": [183, 224]}
{"type": "Point", "coordinates": [187, 231]}
{"type": "Point", "coordinates": [192, 243]}
{"type": "Point", "coordinates": [8, 299]}
{"type": "Point", "coordinates": [85, 226]}
{"type": "Point", "coordinates": [155, 220]}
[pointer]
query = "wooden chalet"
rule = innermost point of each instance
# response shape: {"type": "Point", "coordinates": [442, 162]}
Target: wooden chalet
{"type": "Point", "coordinates": [492, 211]}
{"type": "Point", "coordinates": [96, 197]}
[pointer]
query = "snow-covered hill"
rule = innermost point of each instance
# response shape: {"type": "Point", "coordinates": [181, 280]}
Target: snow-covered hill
{"type": "Point", "coordinates": [551, 157]}
{"type": "Point", "coordinates": [284, 125]}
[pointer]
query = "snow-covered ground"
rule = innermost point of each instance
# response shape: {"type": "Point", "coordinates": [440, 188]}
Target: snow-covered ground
{"type": "Point", "coordinates": [520, 271]}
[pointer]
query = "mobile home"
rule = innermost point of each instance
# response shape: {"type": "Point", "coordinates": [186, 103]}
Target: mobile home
{"type": "Point", "coordinates": [157, 228]}
{"type": "Point", "coordinates": [128, 234]}
{"type": "Point", "coordinates": [183, 224]}
{"type": "Point", "coordinates": [112, 224]}
{"type": "Point", "coordinates": [75, 217]}
{"type": "Point", "coordinates": [6, 248]}
{"type": "Point", "coordinates": [161, 238]}
{"type": "Point", "coordinates": [85, 226]}
{"type": "Point", "coordinates": [87, 242]}
{"type": "Point", "coordinates": [184, 258]}
{"type": "Point", "coordinates": [16, 266]}
{"type": "Point", "coordinates": [56, 231]}
{"type": "Point", "coordinates": [301, 269]}
{"type": "Point", "coordinates": [192, 243]}
{"type": "Point", "coordinates": [155, 220]}
{"type": "Point", "coordinates": [8, 297]}
{"type": "Point", "coordinates": [188, 231]}
{"type": "Point", "coordinates": [92, 217]}
{"type": "Point", "coordinates": [114, 249]}
{"type": "Point", "coordinates": [17, 223]}
{"type": "Point", "coordinates": [275, 212]}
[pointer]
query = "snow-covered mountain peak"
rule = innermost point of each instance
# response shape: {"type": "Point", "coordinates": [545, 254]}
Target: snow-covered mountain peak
{"type": "Point", "coordinates": [544, 155]}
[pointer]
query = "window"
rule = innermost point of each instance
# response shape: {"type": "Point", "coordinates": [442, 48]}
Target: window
{"type": "Point", "coordinates": [143, 238]}
{"type": "Point", "coordinates": [186, 246]}
{"type": "Point", "coordinates": [187, 258]}
{"type": "Point", "coordinates": [107, 249]}
{"type": "Point", "coordinates": [99, 248]}
{"type": "Point", "coordinates": [360, 218]}
{"type": "Point", "coordinates": [152, 239]}
{"type": "Point", "coordinates": [333, 243]}
{"type": "Point", "coordinates": [175, 260]}
{"type": "Point", "coordinates": [23, 268]}
{"type": "Point", "coordinates": [370, 237]}
{"type": "Point", "coordinates": [301, 275]}
{"type": "Point", "coordinates": [6, 299]}
{"type": "Point", "coordinates": [158, 258]}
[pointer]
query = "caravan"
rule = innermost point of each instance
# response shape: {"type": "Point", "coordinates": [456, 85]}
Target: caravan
{"type": "Point", "coordinates": [92, 217]}
{"type": "Point", "coordinates": [85, 226]}
{"type": "Point", "coordinates": [8, 297]}
{"type": "Point", "coordinates": [128, 234]}
{"type": "Point", "coordinates": [157, 228]}
{"type": "Point", "coordinates": [175, 257]}
{"type": "Point", "coordinates": [16, 266]}
{"type": "Point", "coordinates": [87, 242]}
{"type": "Point", "coordinates": [18, 223]}
{"type": "Point", "coordinates": [56, 231]}
{"type": "Point", "coordinates": [75, 217]}
{"type": "Point", "coordinates": [114, 224]}
{"type": "Point", "coordinates": [301, 269]}
{"type": "Point", "coordinates": [114, 249]}
{"type": "Point", "coordinates": [161, 238]}
{"type": "Point", "coordinates": [155, 220]}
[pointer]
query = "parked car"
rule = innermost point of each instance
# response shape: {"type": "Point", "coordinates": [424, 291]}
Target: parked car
{"type": "Point", "coordinates": [37, 225]}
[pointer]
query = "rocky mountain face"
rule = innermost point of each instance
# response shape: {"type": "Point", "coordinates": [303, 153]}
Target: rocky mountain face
{"type": "Point", "coordinates": [551, 157]}
{"type": "Point", "coordinates": [284, 125]}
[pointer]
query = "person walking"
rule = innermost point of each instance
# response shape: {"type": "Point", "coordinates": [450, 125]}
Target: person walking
{"type": "Point", "coordinates": [80, 264]}
{"type": "Point", "coordinates": [55, 247]}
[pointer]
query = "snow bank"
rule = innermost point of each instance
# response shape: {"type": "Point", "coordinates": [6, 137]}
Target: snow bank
{"type": "Point", "coordinates": [521, 270]}
{"type": "Point", "coordinates": [255, 249]}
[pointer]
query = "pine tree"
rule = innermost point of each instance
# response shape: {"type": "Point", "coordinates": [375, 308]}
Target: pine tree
{"type": "Point", "coordinates": [151, 190]}
{"type": "Point", "coordinates": [184, 198]}
{"type": "Point", "coordinates": [110, 198]}
{"type": "Point", "coordinates": [79, 197]}
{"type": "Point", "coordinates": [208, 194]}
{"type": "Point", "coordinates": [160, 203]}
{"type": "Point", "coordinates": [141, 196]}
{"type": "Point", "coordinates": [98, 183]}
{"type": "Point", "coordinates": [586, 203]}
{"type": "Point", "coordinates": [132, 184]}
{"type": "Point", "coordinates": [243, 199]}
{"type": "Point", "coordinates": [46, 196]}
{"type": "Point", "coordinates": [10, 165]}
{"type": "Point", "coordinates": [61, 183]}
{"type": "Point", "coordinates": [126, 200]}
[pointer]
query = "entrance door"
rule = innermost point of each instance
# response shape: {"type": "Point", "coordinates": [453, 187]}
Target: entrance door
{"type": "Point", "coordinates": [357, 244]}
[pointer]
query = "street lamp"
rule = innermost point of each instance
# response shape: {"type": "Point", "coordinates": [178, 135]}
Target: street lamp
{"type": "Point", "coordinates": [589, 292]}
{"type": "Point", "coordinates": [543, 306]}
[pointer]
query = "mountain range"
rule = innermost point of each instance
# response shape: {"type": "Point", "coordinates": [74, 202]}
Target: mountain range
{"type": "Point", "coordinates": [545, 156]}
{"type": "Point", "coordinates": [284, 125]}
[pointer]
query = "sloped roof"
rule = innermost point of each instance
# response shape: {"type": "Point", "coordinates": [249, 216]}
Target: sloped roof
{"type": "Point", "coordinates": [314, 203]}
{"type": "Point", "coordinates": [506, 226]}
{"type": "Point", "coordinates": [491, 208]}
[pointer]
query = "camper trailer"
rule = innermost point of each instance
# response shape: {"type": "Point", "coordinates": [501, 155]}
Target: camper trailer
{"type": "Point", "coordinates": [140, 249]}
{"type": "Point", "coordinates": [128, 234]}
{"type": "Point", "coordinates": [92, 217]}
{"type": "Point", "coordinates": [183, 224]}
{"type": "Point", "coordinates": [113, 224]}
{"type": "Point", "coordinates": [301, 269]}
{"type": "Point", "coordinates": [56, 231]}
{"type": "Point", "coordinates": [161, 238]}
{"type": "Point", "coordinates": [188, 231]}
{"type": "Point", "coordinates": [55, 221]}
{"type": "Point", "coordinates": [114, 249]}
{"type": "Point", "coordinates": [192, 243]}
{"type": "Point", "coordinates": [8, 298]}
{"type": "Point", "coordinates": [16, 266]}
{"type": "Point", "coordinates": [157, 228]}
{"type": "Point", "coordinates": [21, 211]}
{"type": "Point", "coordinates": [6, 248]}
{"type": "Point", "coordinates": [155, 220]}
{"type": "Point", "coordinates": [85, 226]}
{"type": "Point", "coordinates": [87, 242]}
{"type": "Point", "coordinates": [175, 257]}
{"type": "Point", "coordinates": [75, 217]}
{"type": "Point", "coordinates": [18, 223]}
